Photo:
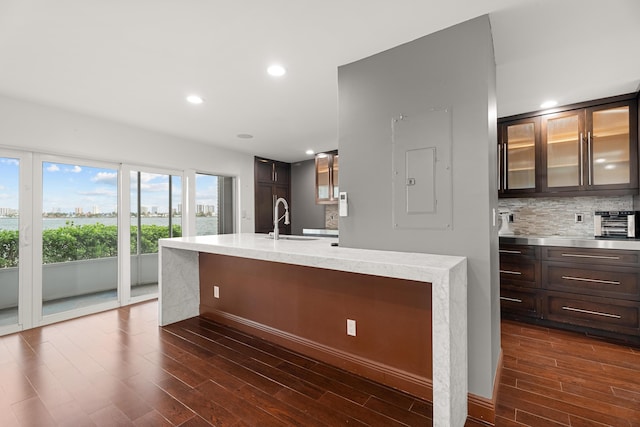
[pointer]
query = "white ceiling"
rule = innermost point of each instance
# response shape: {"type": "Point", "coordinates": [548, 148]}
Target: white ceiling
{"type": "Point", "coordinates": [135, 61]}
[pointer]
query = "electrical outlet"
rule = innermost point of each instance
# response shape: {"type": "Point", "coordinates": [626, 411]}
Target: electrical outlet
{"type": "Point", "coordinates": [351, 327]}
{"type": "Point", "coordinates": [216, 292]}
{"type": "Point", "coordinates": [579, 217]}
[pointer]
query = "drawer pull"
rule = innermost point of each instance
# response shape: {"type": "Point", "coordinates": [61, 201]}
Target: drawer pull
{"type": "Point", "coordinates": [597, 313]}
{"type": "Point", "coordinates": [591, 256]}
{"type": "Point", "coordinates": [506, 251]}
{"type": "Point", "coordinates": [511, 299]}
{"type": "Point", "coordinates": [517, 273]}
{"type": "Point", "coordinates": [584, 279]}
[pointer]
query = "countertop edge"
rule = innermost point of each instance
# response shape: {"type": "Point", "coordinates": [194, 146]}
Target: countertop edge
{"type": "Point", "coordinates": [402, 265]}
{"type": "Point", "coordinates": [572, 242]}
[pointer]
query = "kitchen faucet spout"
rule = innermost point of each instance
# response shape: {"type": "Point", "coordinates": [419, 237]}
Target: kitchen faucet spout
{"type": "Point", "coordinates": [276, 220]}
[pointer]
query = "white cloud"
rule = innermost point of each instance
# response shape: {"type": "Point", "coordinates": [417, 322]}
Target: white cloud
{"type": "Point", "coordinates": [7, 161]}
{"type": "Point", "coordinates": [99, 192]}
{"type": "Point", "coordinates": [76, 169]}
{"type": "Point", "coordinates": [53, 168]}
{"type": "Point", "coordinates": [106, 177]}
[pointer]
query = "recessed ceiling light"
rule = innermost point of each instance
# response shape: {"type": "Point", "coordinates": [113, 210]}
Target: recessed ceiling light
{"type": "Point", "coordinates": [276, 70]}
{"type": "Point", "coordinates": [244, 136]}
{"type": "Point", "coordinates": [549, 104]}
{"type": "Point", "coordinates": [195, 99]}
{"type": "Point", "coordinates": [309, 152]}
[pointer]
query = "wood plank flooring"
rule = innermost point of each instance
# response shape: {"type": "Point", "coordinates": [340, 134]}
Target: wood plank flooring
{"type": "Point", "coordinates": [557, 378]}
{"type": "Point", "coordinates": [118, 368]}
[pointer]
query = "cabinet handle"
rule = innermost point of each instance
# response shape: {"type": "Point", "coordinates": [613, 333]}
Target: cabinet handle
{"type": "Point", "coordinates": [591, 256]}
{"type": "Point", "coordinates": [584, 279]}
{"type": "Point", "coordinates": [517, 273]}
{"type": "Point", "coordinates": [504, 167]}
{"type": "Point", "coordinates": [597, 313]}
{"type": "Point", "coordinates": [273, 171]}
{"type": "Point", "coordinates": [506, 251]}
{"type": "Point", "coordinates": [499, 162]}
{"type": "Point", "coordinates": [589, 154]}
{"type": "Point", "coordinates": [511, 299]}
{"type": "Point", "coordinates": [581, 159]}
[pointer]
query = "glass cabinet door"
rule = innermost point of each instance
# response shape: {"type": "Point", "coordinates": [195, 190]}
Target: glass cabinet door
{"type": "Point", "coordinates": [564, 151]}
{"type": "Point", "coordinates": [334, 176]}
{"type": "Point", "coordinates": [520, 158]}
{"type": "Point", "coordinates": [609, 148]}
{"type": "Point", "coordinates": [322, 177]}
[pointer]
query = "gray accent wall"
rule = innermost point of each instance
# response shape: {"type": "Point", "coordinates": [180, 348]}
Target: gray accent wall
{"type": "Point", "coordinates": [453, 69]}
{"type": "Point", "coordinates": [304, 211]}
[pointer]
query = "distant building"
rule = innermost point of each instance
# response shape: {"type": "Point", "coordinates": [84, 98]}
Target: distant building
{"type": "Point", "coordinates": [8, 212]}
{"type": "Point", "coordinates": [95, 210]}
{"type": "Point", "coordinates": [78, 211]}
{"type": "Point", "coordinates": [205, 210]}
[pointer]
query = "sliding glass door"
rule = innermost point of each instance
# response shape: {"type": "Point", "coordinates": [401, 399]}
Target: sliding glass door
{"type": "Point", "coordinates": [156, 213]}
{"type": "Point", "coordinates": [79, 236]}
{"type": "Point", "coordinates": [9, 241]}
{"type": "Point", "coordinates": [214, 204]}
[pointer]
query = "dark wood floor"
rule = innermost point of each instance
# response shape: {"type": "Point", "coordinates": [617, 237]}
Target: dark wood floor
{"type": "Point", "coordinates": [119, 368]}
{"type": "Point", "coordinates": [557, 378]}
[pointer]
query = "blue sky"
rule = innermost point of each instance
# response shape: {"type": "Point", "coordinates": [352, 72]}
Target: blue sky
{"type": "Point", "coordinates": [9, 174]}
{"type": "Point", "coordinates": [69, 186]}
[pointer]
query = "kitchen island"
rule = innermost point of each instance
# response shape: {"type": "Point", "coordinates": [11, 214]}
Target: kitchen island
{"type": "Point", "coordinates": [442, 278]}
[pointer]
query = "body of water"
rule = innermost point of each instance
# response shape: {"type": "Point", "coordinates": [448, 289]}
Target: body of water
{"type": "Point", "coordinates": [204, 225]}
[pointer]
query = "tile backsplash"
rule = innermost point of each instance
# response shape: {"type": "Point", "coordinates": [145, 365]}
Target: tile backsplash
{"type": "Point", "coordinates": [331, 216]}
{"type": "Point", "coordinates": [556, 215]}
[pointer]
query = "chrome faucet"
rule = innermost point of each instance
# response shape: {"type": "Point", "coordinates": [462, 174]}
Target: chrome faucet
{"type": "Point", "coordinates": [276, 220]}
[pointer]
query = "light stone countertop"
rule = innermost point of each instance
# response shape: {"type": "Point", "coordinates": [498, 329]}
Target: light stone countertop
{"type": "Point", "coordinates": [573, 242]}
{"type": "Point", "coordinates": [318, 252]}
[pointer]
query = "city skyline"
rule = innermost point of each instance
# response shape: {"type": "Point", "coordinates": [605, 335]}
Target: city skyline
{"type": "Point", "coordinates": [79, 190]}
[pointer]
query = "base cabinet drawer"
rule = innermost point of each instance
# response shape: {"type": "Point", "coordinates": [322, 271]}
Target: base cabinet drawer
{"type": "Point", "coordinates": [523, 272]}
{"type": "Point", "coordinates": [519, 303]}
{"type": "Point", "coordinates": [605, 281]}
{"type": "Point", "coordinates": [591, 256]}
{"type": "Point", "coordinates": [592, 312]}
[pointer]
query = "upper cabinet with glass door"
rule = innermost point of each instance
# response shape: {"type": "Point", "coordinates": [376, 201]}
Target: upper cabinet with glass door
{"type": "Point", "coordinates": [327, 178]}
{"type": "Point", "coordinates": [584, 149]}
{"type": "Point", "coordinates": [517, 156]}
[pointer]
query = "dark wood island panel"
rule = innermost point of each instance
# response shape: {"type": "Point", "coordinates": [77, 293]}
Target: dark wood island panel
{"type": "Point", "coordinates": [306, 309]}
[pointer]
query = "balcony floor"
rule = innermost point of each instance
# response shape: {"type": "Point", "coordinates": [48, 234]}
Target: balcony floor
{"type": "Point", "coordinates": [9, 316]}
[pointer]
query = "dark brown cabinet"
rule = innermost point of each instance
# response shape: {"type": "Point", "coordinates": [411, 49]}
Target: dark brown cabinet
{"type": "Point", "coordinates": [582, 149]}
{"type": "Point", "coordinates": [518, 144]}
{"type": "Point", "coordinates": [519, 280]}
{"type": "Point", "coordinates": [272, 181]}
{"type": "Point", "coordinates": [585, 289]}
